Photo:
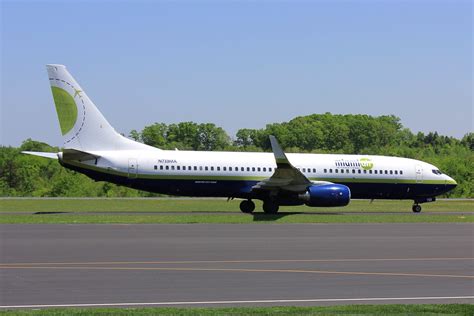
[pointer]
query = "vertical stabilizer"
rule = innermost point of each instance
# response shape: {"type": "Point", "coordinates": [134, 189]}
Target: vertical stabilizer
{"type": "Point", "coordinates": [82, 125]}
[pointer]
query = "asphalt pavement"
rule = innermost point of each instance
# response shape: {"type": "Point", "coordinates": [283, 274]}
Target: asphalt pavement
{"type": "Point", "coordinates": [235, 265]}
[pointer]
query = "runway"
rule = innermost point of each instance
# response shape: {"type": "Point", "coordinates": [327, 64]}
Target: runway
{"type": "Point", "coordinates": [235, 265]}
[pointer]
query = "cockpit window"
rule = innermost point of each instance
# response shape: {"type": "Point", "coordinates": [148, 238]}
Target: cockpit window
{"type": "Point", "coordinates": [436, 171]}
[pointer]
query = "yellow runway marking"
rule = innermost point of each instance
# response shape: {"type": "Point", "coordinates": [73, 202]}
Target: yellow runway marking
{"type": "Point", "coordinates": [229, 261]}
{"type": "Point", "coordinates": [246, 270]}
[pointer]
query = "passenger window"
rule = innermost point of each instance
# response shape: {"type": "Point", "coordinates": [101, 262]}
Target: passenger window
{"type": "Point", "coordinates": [195, 168]}
{"type": "Point", "coordinates": [375, 171]}
{"type": "Point", "coordinates": [258, 169]}
{"type": "Point", "coordinates": [391, 171]}
{"type": "Point", "coordinates": [336, 171]}
{"type": "Point", "coordinates": [161, 167]}
{"type": "Point", "coordinates": [330, 170]}
{"type": "Point", "coordinates": [358, 171]}
{"type": "Point", "coordinates": [248, 168]}
{"type": "Point", "coordinates": [314, 170]}
{"type": "Point", "coordinates": [205, 168]}
{"type": "Point", "coordinates": [304, 169]}
{"type": "Point", "coordinates": [396, 171]}
{"type": "Point", "coordinates": [224, 168]}
{"type": "Point", "coordinates": [401, 172]}
{"type": "Point", "coordinates": [230, 168]}
{"type": "Point", "coordinates": [200, 168]}
{"type": "Point", "coordinates": [325, 170]}
{"type": "Point", "coordinates": [353, 171]}
{"type": "Point", "coordinates": [370, 171]}
{"type": "Point", "coordinates": [264, 169]}
{"type": "Point", "coordinates": [156, 167]}
{"type": "Point", "coordinates": [253, 168]}
{"type": "Point", "coordinates": [212, 168]}
{"type": "Point", "coordinates": [386, 172]}
{"type": "Point", "coordinates": [167, 167]}
{"type": "Point", "coordinates": [178, 167]}
{"type": "Point", "coordinates": [365, 171]}
{"type": "Point", "coordinates": [242, 169]}
{"type": "Point", "coordinates": [218, 168]}
{"type": "Point", "coordinates": [270, 169]}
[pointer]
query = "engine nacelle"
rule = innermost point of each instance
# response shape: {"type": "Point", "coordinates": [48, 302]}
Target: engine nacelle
{"type": "Point", "coordinates": [326, 195]}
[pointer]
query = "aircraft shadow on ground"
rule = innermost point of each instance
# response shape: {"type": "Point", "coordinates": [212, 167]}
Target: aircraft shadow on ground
{"type": "Point", "coordinates": [44, 213]}
{"type": "Point", "coordinates": [262, 217]}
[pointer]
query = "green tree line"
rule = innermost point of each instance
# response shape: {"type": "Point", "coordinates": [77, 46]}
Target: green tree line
{"type": "Point", "coordinates": [24, 175]}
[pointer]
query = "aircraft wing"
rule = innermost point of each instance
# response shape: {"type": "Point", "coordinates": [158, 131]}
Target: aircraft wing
{"type": "Point", "coordinates": [286, 176]}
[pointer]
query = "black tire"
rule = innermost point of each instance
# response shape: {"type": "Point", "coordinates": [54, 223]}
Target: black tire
{"type": "Point", "coordinates": [247, 206]}
{"type": "Point", "coordinates": [416, 208]}
{"type": "Point", "coordinates": [270, 207]}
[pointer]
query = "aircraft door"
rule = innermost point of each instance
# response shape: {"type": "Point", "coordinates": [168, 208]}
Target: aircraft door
{"type": "Point", "coordinates": [419, 174]}
{"type": "Point", "coordinates": [132, 168]}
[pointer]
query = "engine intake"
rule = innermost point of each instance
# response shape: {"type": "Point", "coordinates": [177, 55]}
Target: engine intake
{"type": "Point", "coordinates": [326, 195]}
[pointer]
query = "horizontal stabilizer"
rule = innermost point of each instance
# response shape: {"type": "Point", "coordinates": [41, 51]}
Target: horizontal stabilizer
{"type": "Point", "coordinates": [41, 154]}
{"type": "Point", "coordinates": [74, 154]}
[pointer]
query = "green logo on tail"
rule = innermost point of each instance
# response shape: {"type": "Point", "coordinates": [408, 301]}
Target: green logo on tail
{"type": "Point", "coordinates": [66, 109]}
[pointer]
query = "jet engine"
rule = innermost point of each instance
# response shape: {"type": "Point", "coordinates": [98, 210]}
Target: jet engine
{"type": "Point", "coordinates": [326, 195]}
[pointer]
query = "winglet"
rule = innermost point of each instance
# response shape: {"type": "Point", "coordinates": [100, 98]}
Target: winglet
{"type": "Point", "coordinates": [280, 156]}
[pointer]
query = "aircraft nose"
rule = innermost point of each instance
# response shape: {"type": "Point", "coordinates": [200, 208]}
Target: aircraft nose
{"type": "Point", "coordinates": [451, 181]}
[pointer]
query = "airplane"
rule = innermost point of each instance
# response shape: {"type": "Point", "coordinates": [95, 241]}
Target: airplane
{"type": "Point", "coordinates": [94, 148]}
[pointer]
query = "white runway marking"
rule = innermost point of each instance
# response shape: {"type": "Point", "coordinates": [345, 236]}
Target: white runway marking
{"type": "Point", "coordinates": [322, 300]}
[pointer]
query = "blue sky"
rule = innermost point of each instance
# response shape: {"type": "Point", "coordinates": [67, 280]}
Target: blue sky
{"type": "Point", "coordinates": [238, 64]}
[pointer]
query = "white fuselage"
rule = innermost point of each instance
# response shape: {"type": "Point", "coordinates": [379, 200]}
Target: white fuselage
{"type": "Point", "coordinates": [207, 169]}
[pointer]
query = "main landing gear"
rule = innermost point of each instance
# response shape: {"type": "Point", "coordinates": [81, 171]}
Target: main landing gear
{"type": "Point", "coordinates": [269, 206]}
{"type": "Point", "coordinates": [416, 208]}
{"type": "Point", "coordinates": [247, 206]}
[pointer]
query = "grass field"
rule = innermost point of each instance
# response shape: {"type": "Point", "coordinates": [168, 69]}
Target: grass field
{"type": "Point", "coordinates": [119, 211]}
{"type": "Point", "coordinates": [448, 309]}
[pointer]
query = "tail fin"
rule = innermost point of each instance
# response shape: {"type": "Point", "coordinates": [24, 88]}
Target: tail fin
{"type": "Point", "coordinates": [82, 125]}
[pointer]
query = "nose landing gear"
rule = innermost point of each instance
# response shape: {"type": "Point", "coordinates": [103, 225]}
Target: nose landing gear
{"type": "Point", "coordinates": [416, 208]}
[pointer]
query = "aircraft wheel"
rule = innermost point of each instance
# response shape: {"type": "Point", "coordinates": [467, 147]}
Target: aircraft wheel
{"type": "Point", "coordinates": [247, 206]}
{"type": "Point", "coordinates": [270, 207]}
{"type": "Point", "coordinates": [416, 208]}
